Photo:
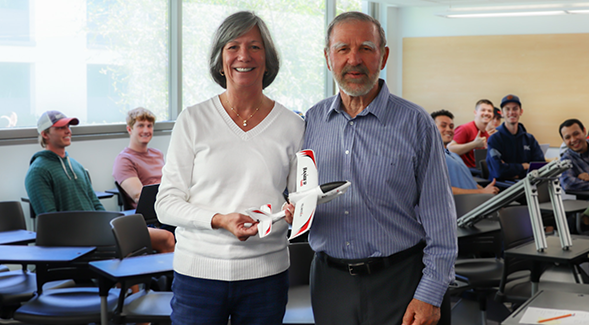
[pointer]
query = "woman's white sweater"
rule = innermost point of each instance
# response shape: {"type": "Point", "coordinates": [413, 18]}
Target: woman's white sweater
{"type": "Point", "coordinates": [215, 167]}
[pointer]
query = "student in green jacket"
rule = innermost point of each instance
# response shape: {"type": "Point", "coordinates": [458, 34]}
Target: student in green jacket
{"type": "Point", "coordinates": [56, 182]}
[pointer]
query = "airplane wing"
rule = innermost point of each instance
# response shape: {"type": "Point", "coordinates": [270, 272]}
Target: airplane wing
{"type": "Point", "coordinates": [303, 215]}
{"type": "Point", "coordinates": [307, 177]}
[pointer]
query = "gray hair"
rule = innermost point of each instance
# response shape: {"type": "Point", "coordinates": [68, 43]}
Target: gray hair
{"type": "Point", "coordinates": [359, 16]}
{"type": "Point", "coordinates": [233, 27]}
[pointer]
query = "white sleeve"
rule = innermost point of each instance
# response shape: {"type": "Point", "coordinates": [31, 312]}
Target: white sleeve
{"type": "Point", "coordinates": [173, 205]}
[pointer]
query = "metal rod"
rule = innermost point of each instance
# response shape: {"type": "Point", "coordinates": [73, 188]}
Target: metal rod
{"type": "Point", "coordinates": [528, 186]}
{"type": "Point", "coordinates": [531, 191]}
{"type": "Point", "coordinates": [560, 214]}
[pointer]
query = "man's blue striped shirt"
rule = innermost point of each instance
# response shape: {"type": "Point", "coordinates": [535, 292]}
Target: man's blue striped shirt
{"type": "Point", "coordinates": [393, 155]}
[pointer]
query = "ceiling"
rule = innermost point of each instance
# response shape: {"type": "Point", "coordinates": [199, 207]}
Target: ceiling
{"type": "Point", "coordinates": [462, 3]}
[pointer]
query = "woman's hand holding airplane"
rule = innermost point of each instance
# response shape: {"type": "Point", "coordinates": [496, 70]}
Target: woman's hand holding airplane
{"type": "Point", "coordinates": [235, 223]}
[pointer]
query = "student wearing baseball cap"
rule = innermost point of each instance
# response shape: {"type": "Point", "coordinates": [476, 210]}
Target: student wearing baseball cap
{"type": "Point", "coordinates": [53, 119]}
{"type": "Point", "coordinates": [511, 149]}
{"type": "Point", "coordinates": [54, 181]}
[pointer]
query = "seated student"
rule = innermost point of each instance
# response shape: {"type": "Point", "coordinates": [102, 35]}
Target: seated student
{"type": "Point", "coordinates": [563, 147]}
{"type": "Point", "coordinates": [473, 135]}
{"type": "Point", "coordinates": [511, 149]}
{"type": "Point", "coordinates": [573, 134]}
{"type": "Point", "coordinates": [460, 177]}
{"type": "Point", "coordinates": [495, 122]}
{"type": "Point", "coordinates": [137, 165]}
{"type": "Point", "coordinates": [56, 182]}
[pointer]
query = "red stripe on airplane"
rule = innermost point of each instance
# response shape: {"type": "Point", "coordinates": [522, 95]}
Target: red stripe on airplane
{"type": "Point", "coordinates": [309, 153]}
{"type": "Point", "coordinates": [306, 225]}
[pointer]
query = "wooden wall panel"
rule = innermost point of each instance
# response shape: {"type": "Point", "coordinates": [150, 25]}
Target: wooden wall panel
{"type": "Point", "coordinates": [550, 74]}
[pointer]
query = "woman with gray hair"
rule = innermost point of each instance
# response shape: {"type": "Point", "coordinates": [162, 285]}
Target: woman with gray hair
{"type": "Point", "coordinates": [227, 154]}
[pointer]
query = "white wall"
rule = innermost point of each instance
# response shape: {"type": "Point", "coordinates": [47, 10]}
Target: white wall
{"type": "Point", "coordinates": [422, 22]}
{"type": "Point", "coordinates": [96, 155]}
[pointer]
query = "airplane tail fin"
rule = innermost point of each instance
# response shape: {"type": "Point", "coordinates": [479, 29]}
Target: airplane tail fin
{"type": "Point", "coordinates": [265, 218]}
{"type": "Point", "coordinates": [265, 227]}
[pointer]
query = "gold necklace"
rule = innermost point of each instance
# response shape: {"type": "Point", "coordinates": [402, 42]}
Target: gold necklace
{"type": "Point", "coordinates": [239, 116]}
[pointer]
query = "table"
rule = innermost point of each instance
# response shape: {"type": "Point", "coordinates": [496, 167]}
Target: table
{"type": "Point", "coordinates": [15, 237]}
{"type": "Point", "coordinates": [553, 254]}
{"type": "Point", "coordinates": [485, 226]}
{"type": "Point", "coordinates": [18, 254]}
{"type": "Point", "coordinates": [550, 299]}
{"type": "Point", "coordinates": [113, 271]}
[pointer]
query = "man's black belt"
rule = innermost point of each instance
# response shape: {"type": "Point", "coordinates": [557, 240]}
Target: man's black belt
{"type": "Point", "coordinates": [370, 265]}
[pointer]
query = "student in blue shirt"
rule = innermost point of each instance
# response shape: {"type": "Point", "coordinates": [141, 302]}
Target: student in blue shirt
{"type": "Point", "coordinates": [460, 176]}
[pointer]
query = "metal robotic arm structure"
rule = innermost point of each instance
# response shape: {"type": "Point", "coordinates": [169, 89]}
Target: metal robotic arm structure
{"type": "Point", "coordinates": [528, 186]}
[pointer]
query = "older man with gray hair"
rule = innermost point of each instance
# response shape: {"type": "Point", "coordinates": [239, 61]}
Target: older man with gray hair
{"type": "Point", "coordinates": [384, 251]}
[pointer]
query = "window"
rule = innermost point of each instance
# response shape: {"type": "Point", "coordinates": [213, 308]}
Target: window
{"type": "Point", "coordinates": [93, 59]}
{"type": "Point", "coordinates": [297, 28]}
{"type": "Point", "coordinates": [14, 21]}
{"type": "Point", "coordinates": [347, 5]}
{"type": "Point", "coordinates": [105, 101]}
{"type": "Point", "coordinates": [15, 95]}
{"type": "Point", "coordinates": [96, 59]}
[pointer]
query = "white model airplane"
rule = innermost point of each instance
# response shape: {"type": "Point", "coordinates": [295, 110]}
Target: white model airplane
{"type": "Point", "coordinates": [305, 199]}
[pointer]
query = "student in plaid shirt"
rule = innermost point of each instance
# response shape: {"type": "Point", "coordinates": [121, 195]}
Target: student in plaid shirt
{"type": "Point", "coordinates": [574, 135]}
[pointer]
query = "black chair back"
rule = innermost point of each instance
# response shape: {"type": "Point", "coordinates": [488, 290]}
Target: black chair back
{"type": "Point", "coordinates": [133, 239]}
{"type": "Point", "coordinates": [11, 216]}
{"type": "Point", "coordinates": [479, 155]}
{"type": "Point", "coordinates": [78, 228]}
{"type": "Point", "coordinates": [146, 204]}
{"type": "Point", "coordinates": [516, 226]}
{"type": "Point", "coordinates": [128, 203]}
{"type": "Point", "coordinates": [131, 235]}
{"type": "Point", "coordinates": [483, 245]}
{"type": "Point", "coordinates": [484, 169]}
{"type": "Point", "coordinates": [466, 202]}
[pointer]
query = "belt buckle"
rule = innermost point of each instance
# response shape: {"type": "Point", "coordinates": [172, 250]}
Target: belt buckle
{"type": "Point", "coordinates": [352, 266]}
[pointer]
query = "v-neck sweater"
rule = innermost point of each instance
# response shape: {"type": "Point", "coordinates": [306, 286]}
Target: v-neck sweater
{"type": "Point", "coordinates": [213, 166]}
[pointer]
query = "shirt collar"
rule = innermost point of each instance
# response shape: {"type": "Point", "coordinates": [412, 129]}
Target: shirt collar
{"type": "Point", "coordinates": [377, 107]}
